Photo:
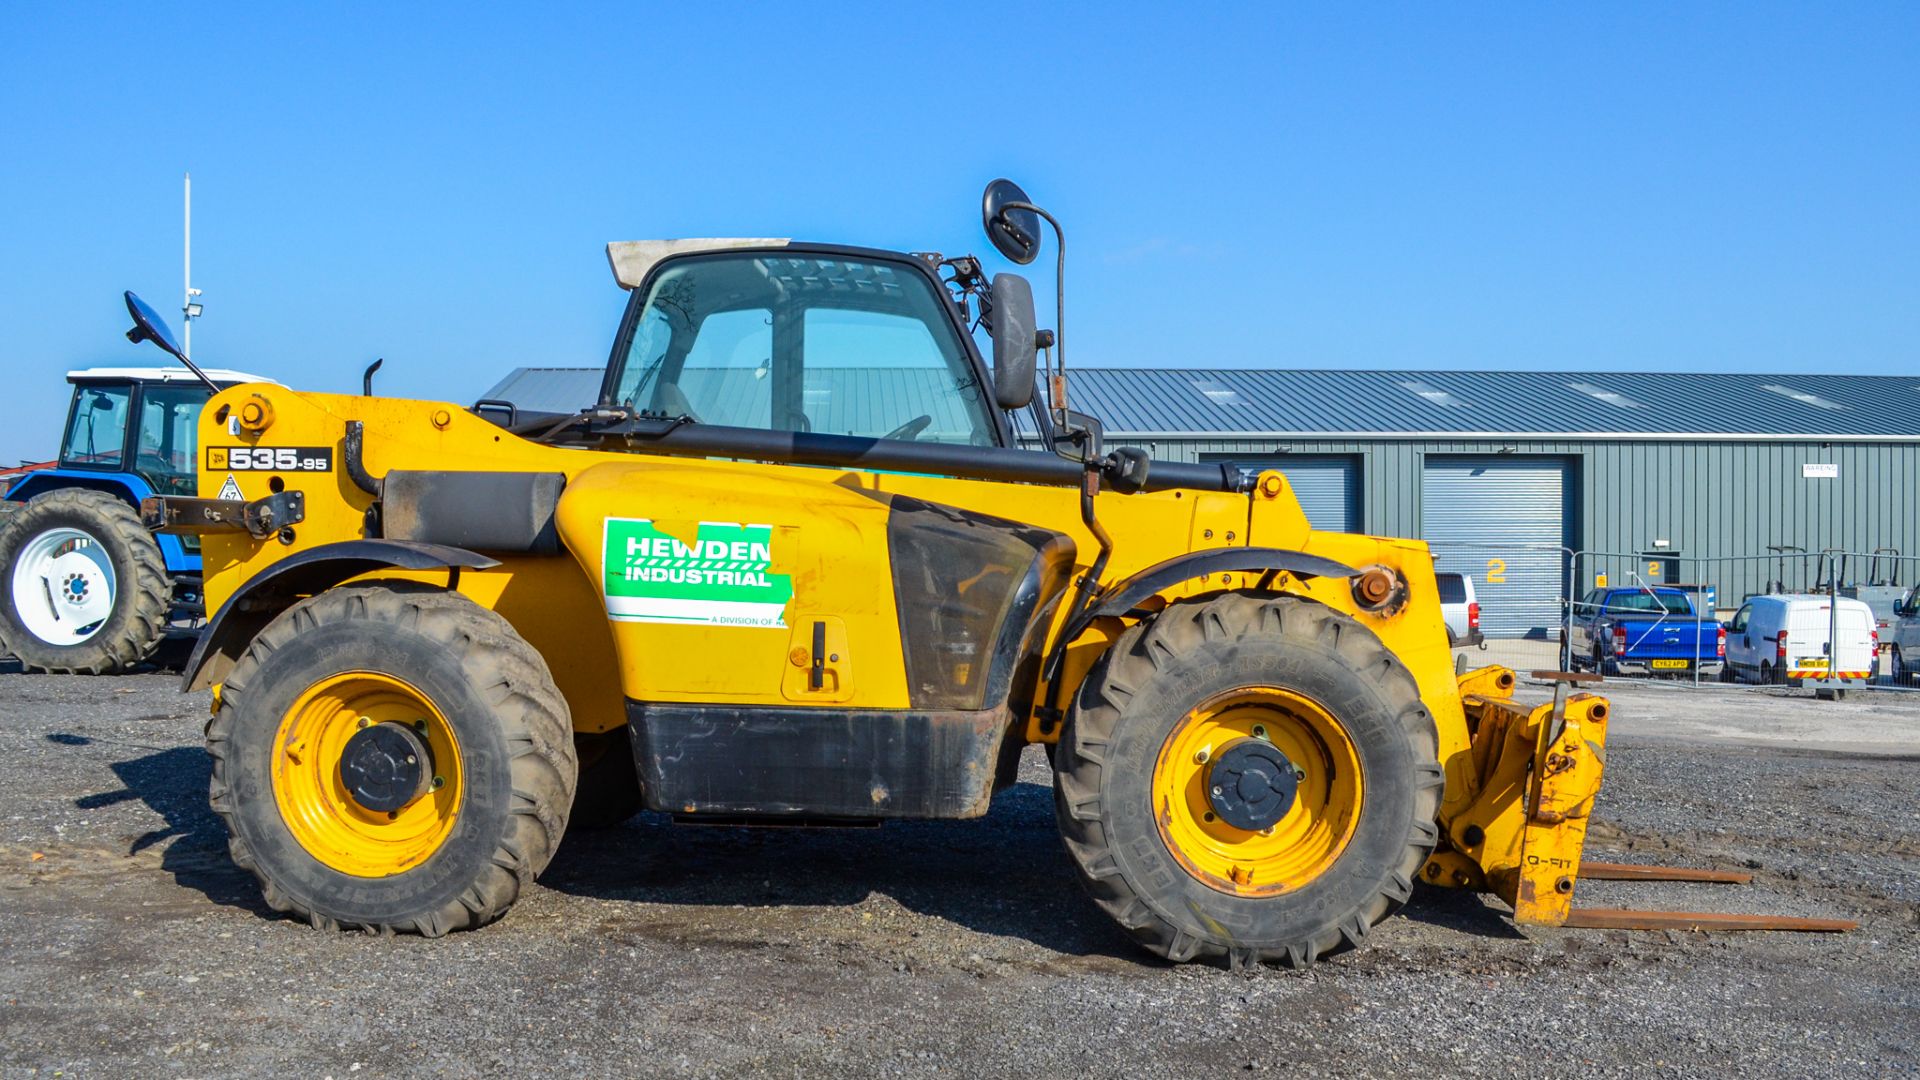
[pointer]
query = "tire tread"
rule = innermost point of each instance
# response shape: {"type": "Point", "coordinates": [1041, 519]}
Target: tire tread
{"type": "Point", "coordinates": [1142, 651]}
{"type": "Point", "coordinates": [511, 674]}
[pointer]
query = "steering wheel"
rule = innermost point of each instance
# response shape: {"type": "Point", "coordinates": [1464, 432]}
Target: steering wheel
{"type": "Point", "coordinates": [910, 429]}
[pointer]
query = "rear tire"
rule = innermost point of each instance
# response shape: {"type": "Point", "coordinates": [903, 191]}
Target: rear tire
{"type": "Point", "coordinates": [58, 553]}
{"type": "Point", "coordinates": [457, 856]}
{"type": "Point", "coordinates": [1133, 708]}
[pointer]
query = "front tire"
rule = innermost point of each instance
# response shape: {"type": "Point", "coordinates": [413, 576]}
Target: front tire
{"type": "Point", "coordinates": [434, 845]}
{"type": "Point", "coordinates": [85, 586]}
{"type": "Point", "coordinates": [1237, 673]}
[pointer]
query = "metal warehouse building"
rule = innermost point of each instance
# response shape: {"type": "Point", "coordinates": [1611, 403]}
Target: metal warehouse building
{"type": "Point", "coordinates": [1525, 463]}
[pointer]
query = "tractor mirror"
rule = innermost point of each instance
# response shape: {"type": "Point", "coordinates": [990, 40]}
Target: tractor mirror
{"type": "Point", "coordinates": [149, 326]}
{"type": "Point", "coordinates": [1015, 231]}
{"type": "Point", "coordinates": [1010, 322]}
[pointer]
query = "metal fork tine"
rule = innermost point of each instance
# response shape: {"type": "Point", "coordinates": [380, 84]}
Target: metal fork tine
{"type": "Point", "coordinates": [1608, 871]}
{"type": "Point", "coordinates": [1629, 919]}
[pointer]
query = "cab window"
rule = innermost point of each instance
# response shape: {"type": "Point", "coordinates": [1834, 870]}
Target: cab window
{"type": "Point", "coordinates": [97, 428]}
{"type": "Point", "coordinates": [164, 441]}
{"type": "Point", "coordinates": [803, 343]}
{"type": "Point", "coordinates": [1739, 623]}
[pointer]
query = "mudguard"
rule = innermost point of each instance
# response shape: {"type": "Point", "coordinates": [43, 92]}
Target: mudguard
{"type": "Point", "coordinates": [129, 487]}
{"type": "Point", "coordinates": [273, 590]}
{"type": "Point", "coordinates": [1128, 593]}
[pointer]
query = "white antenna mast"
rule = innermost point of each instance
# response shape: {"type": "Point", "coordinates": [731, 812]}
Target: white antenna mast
{"type": "Point", "coordinates": [190, 308]}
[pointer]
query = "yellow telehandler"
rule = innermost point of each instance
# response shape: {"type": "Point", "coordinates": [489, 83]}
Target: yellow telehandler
{"type": "Point", "coordinates": [794, 565]}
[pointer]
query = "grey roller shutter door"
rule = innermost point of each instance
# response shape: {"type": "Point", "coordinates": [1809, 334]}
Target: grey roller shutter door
{"type": "Point", "coordinates": [1328, 487]}
{"type": "Point", "coordinates": [1504, 521]}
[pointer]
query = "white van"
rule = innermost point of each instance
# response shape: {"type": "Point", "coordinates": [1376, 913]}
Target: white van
{"type": "Point", "coordinates": [1783, 639]}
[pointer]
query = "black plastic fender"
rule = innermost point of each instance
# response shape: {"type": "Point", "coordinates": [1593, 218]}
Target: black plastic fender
{"type": "Point", "coordinates": [1126, 594]}
{"type": "Point", "coordinates": [272, 591]}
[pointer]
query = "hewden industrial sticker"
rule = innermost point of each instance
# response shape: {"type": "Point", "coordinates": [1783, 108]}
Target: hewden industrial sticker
{"type": "Point", "coordinates": [719, 580]}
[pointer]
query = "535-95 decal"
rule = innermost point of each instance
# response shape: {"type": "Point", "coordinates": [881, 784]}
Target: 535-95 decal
{"type": "Point", "coordinates": [270, 458]}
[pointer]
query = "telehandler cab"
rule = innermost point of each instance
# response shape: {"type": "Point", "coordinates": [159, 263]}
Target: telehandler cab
{"type": "Point", "coordinates": [792, 566]}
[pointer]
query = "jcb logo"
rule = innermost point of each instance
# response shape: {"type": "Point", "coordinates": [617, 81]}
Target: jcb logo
{"type": "Point", "coordinates": [270, 458]}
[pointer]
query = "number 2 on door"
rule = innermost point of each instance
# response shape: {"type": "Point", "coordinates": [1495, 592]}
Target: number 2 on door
{"type": "Point", "coordinates": [1496, 571]}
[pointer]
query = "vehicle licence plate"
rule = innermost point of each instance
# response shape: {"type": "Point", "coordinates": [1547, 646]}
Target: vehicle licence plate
{"type": "Point", "coordinates": [1812, 662]}
{"type": "Point", "coordinates": [1670, 665]}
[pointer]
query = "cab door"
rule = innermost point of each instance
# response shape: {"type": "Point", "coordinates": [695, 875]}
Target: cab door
{"type": "Point", "coordinates": [1740, 647]}
{"type": "Point", "coordinates": [1578, 628]}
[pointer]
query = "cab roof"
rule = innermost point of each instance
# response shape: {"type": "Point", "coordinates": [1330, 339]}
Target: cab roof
{"type": "Point", "coordinates": [631, 259]}
{"type": "Point", "coordinates": [162, 375]}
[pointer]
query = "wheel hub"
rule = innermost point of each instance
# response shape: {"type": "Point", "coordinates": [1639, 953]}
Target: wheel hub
{"type": "Point", "coordinates": [1251, 785]}
{"type": "Point", "coordinates": [386, 766]}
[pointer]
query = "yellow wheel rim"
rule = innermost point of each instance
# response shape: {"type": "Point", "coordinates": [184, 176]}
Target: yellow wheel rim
{"type": "Point", "coordinates": [313, 798]}
{"type": "Point", "coordinates": [1311, 835]}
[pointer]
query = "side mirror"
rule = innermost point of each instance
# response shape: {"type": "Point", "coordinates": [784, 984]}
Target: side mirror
{"type": "Point", "coordinates": [1015, 232]}
{"type": "Point", "coordinates": [148, 326]}
{"type": "Point", "coordinates": [1010, 323]}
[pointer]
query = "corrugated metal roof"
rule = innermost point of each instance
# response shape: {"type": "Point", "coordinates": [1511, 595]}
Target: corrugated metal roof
{"type": "Point", "coordinates": [1175, 402]}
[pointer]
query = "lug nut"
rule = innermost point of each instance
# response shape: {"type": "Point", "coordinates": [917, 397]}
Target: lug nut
{"type": "Point", "coordinates": [1201, 755]}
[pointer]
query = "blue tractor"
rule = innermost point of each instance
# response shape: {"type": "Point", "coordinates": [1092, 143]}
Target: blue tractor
{"type": "Point", "coordinates": [83, 586]}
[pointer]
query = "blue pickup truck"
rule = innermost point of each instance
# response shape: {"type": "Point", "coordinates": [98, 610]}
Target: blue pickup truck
{"type": "Point", "coordinates": [1645, 631]}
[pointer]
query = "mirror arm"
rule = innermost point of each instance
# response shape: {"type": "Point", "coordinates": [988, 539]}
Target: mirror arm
{"type": "Point", "coordinates": [1060, 307]}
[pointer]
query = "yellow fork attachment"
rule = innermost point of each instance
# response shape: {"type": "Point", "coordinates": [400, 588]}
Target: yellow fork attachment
{"type": "Point", "coordinates": [1538, 770]}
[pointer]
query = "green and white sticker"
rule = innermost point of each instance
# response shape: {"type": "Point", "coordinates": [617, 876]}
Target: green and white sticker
{"type": "Point", "coordinates": [721, 579]}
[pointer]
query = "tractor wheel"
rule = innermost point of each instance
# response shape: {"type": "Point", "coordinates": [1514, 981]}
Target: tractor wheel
{"type": "Point", "coordinates": [86, 589]}
{"type": "Point", "coordinates": [1251, 778]}
{"type": "Point", "coordinates": [392, 757]}
{"type": "Point", "coordinates": [609, 791]}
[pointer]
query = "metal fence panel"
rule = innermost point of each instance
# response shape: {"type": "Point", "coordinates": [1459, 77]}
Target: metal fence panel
{"type": "Point", "coordinates": [1670, 611]}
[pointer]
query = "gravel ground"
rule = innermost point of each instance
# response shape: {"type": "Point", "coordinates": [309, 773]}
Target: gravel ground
{"type": "Point", "coordinates": [132, 946]}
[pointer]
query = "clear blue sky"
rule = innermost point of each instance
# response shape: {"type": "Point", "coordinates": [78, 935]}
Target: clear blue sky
{"type": "Point", "coordinates": [1704, 187]}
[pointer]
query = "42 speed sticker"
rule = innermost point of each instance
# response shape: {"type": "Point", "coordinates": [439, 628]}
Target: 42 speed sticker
{"type": "Point", "coordinates": [270, 458]}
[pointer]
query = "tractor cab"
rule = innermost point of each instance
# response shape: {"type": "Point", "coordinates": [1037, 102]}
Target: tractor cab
{"type": "Point", "coordinates": [83, 587]}
{"type": "Point", "coordinates": [140, 421]}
